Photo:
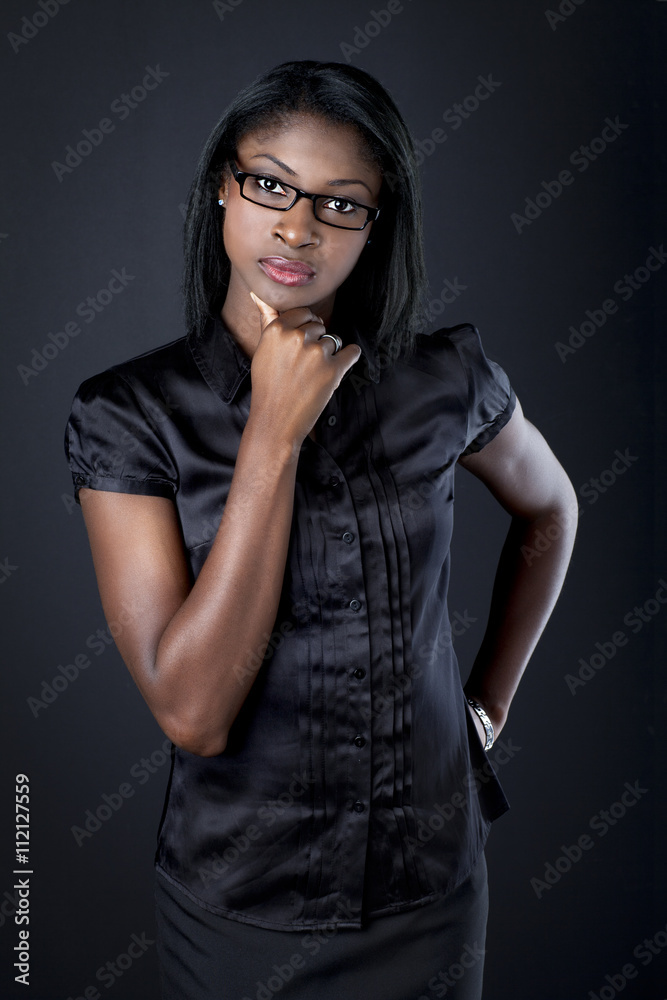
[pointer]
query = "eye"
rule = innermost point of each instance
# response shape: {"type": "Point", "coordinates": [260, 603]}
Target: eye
{"type": "Point", "coordinates": [265, 184]}
{"type": "Point", "coordinates": [341, 205]}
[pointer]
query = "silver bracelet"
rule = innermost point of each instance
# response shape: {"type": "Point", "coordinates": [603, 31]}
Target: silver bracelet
{"type": "Point", "coordinates": [486, 722]}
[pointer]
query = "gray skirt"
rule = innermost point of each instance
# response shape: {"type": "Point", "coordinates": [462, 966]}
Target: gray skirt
{"type": "Point", "coordinates": [433, 951]}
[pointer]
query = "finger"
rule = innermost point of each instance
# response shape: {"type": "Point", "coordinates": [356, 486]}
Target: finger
{"type": "Point", "coordinates": [311, 320]}
{"type": "Point", "coordinates": [267, 313]}
{"type": "Point", "coordinates": [347, 357]}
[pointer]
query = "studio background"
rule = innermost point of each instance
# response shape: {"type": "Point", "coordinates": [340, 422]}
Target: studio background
{"type": "Point", "coordinates": [587, 718]}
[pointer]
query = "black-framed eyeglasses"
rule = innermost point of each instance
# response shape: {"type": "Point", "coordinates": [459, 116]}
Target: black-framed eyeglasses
{"type": "Point", "coordinates": [342, 213]}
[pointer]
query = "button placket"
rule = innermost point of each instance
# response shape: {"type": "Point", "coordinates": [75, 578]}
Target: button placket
{"type": "Point", "coordinates": [353, 701]}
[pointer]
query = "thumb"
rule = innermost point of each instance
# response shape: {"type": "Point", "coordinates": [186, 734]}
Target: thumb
{"type": "Point", "coordinates": [267, 313]}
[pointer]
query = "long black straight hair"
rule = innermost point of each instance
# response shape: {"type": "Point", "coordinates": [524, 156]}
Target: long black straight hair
{"type": "Point", "coordinates": [385, 292]}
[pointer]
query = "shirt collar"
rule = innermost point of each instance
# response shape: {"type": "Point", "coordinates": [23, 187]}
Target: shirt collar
{"type": "Point", "coordinates": [225, 365]}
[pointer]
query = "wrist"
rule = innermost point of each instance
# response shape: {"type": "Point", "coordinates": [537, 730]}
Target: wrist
{"type": "Point", "coordinates": [484, 720]}
{"type": "Point", "coordinates": [496, 711]}
{"type": "Point", "coordinates": [261, 433]}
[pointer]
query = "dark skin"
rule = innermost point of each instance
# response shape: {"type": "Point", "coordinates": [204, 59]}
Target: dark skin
{"type": "Point", "coordinates": [193, 650]}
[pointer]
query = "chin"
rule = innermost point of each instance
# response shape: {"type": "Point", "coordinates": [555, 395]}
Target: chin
{"type": "Point", "coordinates": [283, 298]}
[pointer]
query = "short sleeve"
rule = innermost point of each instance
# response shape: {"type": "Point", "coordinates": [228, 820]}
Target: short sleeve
{"type": "Point", "coordinates": [491, 398]}
{"type": "Point", "coordinates": [112, 440]}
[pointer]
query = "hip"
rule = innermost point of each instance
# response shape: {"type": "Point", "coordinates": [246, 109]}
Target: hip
{"type": "Point", "coordinates": [435, 950]}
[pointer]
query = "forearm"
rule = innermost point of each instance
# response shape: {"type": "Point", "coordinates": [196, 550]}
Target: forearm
{"type": "Point", "coordinates": [210, 653]}
{"type": "Point", "coordinates": [531, 570]}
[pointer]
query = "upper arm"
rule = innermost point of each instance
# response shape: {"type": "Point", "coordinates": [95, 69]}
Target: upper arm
{"type": "Point", "coordinates": [521, 471]}
{"type": "Point", "coordinates": [142, 574]}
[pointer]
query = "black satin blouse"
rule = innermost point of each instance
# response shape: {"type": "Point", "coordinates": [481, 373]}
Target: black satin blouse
{"type": "Point", "coordinates": [347, 788]}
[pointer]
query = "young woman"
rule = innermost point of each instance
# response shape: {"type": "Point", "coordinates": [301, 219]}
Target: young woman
{"type": "Point", "coordinates": [269, 500]}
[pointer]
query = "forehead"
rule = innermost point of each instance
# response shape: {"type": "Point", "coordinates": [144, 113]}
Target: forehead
{"type": "Point", "coordinates": [314, 146]}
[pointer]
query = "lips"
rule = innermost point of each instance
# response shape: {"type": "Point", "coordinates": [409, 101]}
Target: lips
{"type": "Point", "coordinates": [289, 266]}
{"type": "Point", "coordinates": [287, 272]}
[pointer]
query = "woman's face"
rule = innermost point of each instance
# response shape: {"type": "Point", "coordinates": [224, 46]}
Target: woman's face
{"type": "Point", "coordinates": [314, 155]}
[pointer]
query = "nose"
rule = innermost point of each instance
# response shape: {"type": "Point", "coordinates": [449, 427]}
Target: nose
{"type": "Point", "coordinates": [298, 225]}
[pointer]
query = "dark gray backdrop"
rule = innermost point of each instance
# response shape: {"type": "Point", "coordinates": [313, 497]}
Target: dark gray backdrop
{"type": "Point", "coordinates": [554, 76]}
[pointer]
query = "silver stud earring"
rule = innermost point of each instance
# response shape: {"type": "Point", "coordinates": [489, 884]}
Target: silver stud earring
{"type": "Point", "coordinates": [367, 242]}
{"type": "Point", "coordinates": [220, 201]}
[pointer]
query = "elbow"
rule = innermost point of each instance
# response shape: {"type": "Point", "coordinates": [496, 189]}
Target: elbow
{"type": "Point", "coordinates": [569, 505]}
{"type": "Point", "coordinates": [569, 497]}
{"type": "Point", "coordinates": [190, 724]}
{"type": "Point", "coordinates": [196, 744]}
{"type": "Point", "coordinates": [561, 505]}
{"type": "Point", "coordinates": [195, 739]}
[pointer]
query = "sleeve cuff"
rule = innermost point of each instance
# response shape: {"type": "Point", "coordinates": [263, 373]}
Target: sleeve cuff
{"type": "Point", "coordinates": [143, 487]}
{"type": "Point", "coordinates": [490, 432]}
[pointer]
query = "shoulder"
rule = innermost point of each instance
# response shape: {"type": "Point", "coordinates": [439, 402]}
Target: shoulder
{"type": "Point", "coordinates": [133, 394]}
{"type": "Point", "coordinates": [148, 370]}
{"type": "Point", "coordinates": [142, 389]}
{"type": "Point", "coordinates": [462, 341]}
{"type": "Point", "coordinates": [450, 354]}
{"type": "Point", "coordinates": [459, 377]}
{"type": "Point", "coordinates": [116, 435]}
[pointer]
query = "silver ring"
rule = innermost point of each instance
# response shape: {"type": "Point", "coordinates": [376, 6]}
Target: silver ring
{"type": "Point", "coordinates": [337, 341]}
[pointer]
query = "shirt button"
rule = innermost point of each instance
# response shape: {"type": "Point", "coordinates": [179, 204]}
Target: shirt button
{"type": "Point", "coordinates": [348, 537]}
{"type": "Point", "coordinates": [355, 604]}
{"type": "Point", "coordinates": [359, 673]}
{"type": "Point", "coordinates": [358, 806]}
{"type": "Point", "coordinates": [332, 420]}
{"type": "Point", "coordinates": [359, 741]}
{"type": "Point", "coordinates": [334, 481]}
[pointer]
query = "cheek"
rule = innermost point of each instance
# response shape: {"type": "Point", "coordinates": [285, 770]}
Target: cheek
{"type": "Point", "coordinates": [345, 256]}
{"type": "Point", "coordinates": [238, 232]}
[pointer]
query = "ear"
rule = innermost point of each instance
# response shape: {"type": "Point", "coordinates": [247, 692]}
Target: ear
{"type": "Point", "coordinates": [225, 180]}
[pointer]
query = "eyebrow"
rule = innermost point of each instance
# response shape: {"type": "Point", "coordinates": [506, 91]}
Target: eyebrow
{"type": "Point", "coordinates": [335, 183]}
